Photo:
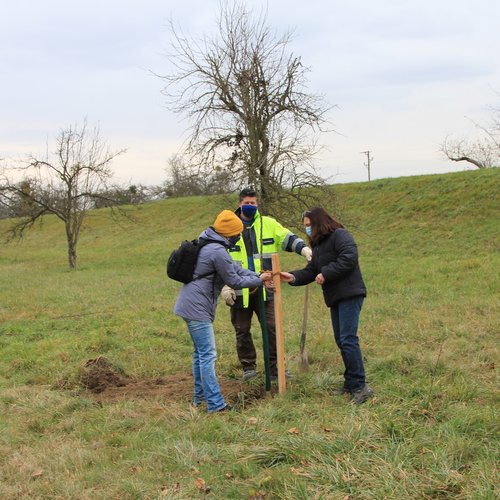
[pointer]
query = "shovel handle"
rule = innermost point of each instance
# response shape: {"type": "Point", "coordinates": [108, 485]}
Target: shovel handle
{"type": "Point", "coordinates": [306, 307]}
{"type": "Point", "coordinates": [304, 320]}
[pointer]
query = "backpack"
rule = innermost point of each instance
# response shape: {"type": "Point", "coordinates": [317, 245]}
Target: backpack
{"type": "Point", "coordinates": [182, 261]}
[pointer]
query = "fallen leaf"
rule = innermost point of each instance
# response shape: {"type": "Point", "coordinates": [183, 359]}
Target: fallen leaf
{"type": "Point", "coordinates": [252, 421]}
{"type": "Point", "coordinates": [327, 429]}
{"type": "Point", "coordinates": [293, 430]}
{"type": "Point", "coordinates": [255, 495]}
{"type": "Point", "coordinates": [202, 485]}
{"type": "Point", "coordinates": [167, 491]}
{"type": "Point", "coordinates": [38, 473]}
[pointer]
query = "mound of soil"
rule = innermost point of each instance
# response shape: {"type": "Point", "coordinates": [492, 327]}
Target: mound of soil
{"type": "Point", "coordinates": [106, 383]}
{"type": "Point", "coordinates": [99, 374]}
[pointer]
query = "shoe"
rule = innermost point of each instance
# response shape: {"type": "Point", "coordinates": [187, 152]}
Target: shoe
{"type": "Point", "coordinates": [228, 407]}
{"type": "Point", "coordinates": [340, 390]}
{"type": "Point", "coordinates": [274, 378]}
{"type": "Point", "coordinates": [248, 374]}
{"type": "Point", "coordinates": [359, 396]}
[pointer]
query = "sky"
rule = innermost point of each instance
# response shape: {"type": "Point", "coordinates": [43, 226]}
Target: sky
{"type": "Point", "coordinates": [400, 75]}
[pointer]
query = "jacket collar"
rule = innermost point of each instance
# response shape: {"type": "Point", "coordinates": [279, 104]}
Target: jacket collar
{"type": "Point", "coordinates": [211, 234]}
{"type": "Point", "coordinates": [255, 218]}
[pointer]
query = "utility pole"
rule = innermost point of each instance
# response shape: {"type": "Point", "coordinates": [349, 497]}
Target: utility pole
{"type": "Point", "coordinates": [369, 159]}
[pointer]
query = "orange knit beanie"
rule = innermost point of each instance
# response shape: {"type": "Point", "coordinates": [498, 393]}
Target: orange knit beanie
{"type": "Point", "coordinates": [228, 224]}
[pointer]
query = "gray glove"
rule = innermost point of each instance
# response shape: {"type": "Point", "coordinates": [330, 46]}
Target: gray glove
{"type": "Point", "coordinates": [229, 295]}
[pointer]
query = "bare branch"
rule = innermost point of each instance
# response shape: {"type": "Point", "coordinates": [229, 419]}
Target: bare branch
{"type": "Point", "coordinates": [243, 93]}
{"type": "Point", "coordinates": [482, 153]}
{"type": "Point", "coordinates": [65, 184]}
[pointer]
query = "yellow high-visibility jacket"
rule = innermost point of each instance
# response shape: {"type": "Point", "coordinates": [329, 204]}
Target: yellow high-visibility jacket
{"type": "Point", "coordinates": [259, 241]}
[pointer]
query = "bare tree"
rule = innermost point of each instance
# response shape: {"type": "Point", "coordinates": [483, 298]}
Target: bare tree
{"type": "Point", "coordinates": [244, 95]}
{"type": "Point", "coordinates": [483, 152]}
{"type": "Point", "coordinates": [65, 184]}
{"type": "Point", "coordinates": [118, 195]}
{"type": "Point", "coordinates": [186, 181]}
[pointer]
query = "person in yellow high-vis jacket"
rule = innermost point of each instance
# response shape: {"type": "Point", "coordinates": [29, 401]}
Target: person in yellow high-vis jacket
{"type": "Point", "coordinates": [262, 236]}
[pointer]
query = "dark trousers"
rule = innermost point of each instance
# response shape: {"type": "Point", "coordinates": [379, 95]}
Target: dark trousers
{"type": "Point", "coordinates": [242, 322]}
{"type": "Point", "coordinates": [345, 319]}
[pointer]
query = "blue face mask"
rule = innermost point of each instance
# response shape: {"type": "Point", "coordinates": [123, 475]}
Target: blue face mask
{"type": "Point", "coordinates": [309, 231]}
{"type": "Point", "coordinates": [248, 210]}
{"type": "Point", "coordinates": [234, 239]}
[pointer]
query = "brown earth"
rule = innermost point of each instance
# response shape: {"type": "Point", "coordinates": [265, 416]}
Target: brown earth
{"type": "Point", "coordinates": [108, 384]}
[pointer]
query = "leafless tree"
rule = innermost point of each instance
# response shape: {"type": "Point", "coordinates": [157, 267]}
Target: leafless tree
{"type": "Point", "coordinates": [244, 96]}
{"type": "Point", "coordinates": [186, 181]}
{"type": "Point", "coordinates": [483, 152]}
{"type": "Point", "coordinates": [65, 184]}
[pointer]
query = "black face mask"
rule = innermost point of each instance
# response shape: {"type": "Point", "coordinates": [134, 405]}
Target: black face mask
{"type": "Point", "coordinates": [234, 239]}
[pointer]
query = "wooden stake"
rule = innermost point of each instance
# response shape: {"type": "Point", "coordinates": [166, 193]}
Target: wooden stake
{"type": "Point", "coordinates": [278, 317]}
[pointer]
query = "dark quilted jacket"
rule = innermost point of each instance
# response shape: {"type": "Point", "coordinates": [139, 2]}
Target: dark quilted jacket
{"type": "Point", "coordinates": [336, 257]}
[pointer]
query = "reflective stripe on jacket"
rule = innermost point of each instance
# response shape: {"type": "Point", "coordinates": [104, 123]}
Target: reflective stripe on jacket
{"type": "Point", "coordinates": [266, 236]}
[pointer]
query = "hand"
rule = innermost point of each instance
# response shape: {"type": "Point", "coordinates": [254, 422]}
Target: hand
{"type": "Point", "coordinates": [269, 284]}
{"type": "Point", "coordinates": [320, 279]}
{"type": "Point", "coordinates": [307, 253]}
{"type": "Point", "coordinates": [287, 277]}
{"type": "Point", "coordinates": [266, 276]}
{"type": "Point", "coordinates": [229, 295]}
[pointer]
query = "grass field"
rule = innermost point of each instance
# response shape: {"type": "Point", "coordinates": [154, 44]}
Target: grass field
{"type": "Point", "coordinates": [429, 331]}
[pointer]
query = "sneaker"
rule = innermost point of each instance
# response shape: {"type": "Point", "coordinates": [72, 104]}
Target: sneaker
{"type": "Point", "coordinates": [340, 390]}
{"type": "Point", "coordinates": [248, 374]}
{"type": "Point", "coordinates": [274, 378]}
{"type": "Point", "coordinates": [228, 407]}
{"type": "Point", "coordinates": [359, 396]}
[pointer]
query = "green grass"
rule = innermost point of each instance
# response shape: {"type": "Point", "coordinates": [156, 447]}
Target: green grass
{"type": "Point", "coordinates": [429, 251]}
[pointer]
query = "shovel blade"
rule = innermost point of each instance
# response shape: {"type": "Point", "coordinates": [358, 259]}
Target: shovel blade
{"type": "Point", "coordinates": [303, 362]}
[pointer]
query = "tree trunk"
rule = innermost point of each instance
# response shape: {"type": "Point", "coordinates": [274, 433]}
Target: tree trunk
{"type": "Point", "coordinates": [72, 255]}
{"type": "Point", "coordinates": [477, 163]}
{"type": "Point", "coordinates": [71, 239]}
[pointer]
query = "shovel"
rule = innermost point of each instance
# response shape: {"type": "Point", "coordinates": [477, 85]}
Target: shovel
{"type": "Point", "coordinates": [303, 361]}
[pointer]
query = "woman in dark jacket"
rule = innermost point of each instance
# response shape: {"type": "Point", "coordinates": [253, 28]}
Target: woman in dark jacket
{"type": "Point", "coordinates": [335, 267]}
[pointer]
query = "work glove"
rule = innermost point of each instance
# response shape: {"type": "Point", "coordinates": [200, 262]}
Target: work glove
{"type": "Point", "coordinates": [307, 253]}
{"type": "Point", "coordinates": [229, 295]}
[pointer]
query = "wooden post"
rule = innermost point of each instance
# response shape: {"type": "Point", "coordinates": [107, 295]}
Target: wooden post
{"type": "Point", "coordinates": [278, 317]}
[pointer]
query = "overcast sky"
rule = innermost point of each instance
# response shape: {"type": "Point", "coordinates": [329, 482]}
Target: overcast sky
{"type": "Point", "coordinates": [402, 74]}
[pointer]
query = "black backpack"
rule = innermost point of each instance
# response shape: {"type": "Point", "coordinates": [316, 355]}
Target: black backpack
{"type": "Point", "coordinates": [182, 261]}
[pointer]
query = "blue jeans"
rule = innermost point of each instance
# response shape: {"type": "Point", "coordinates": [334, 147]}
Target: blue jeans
{"type": "Point", "coordinates": [345, 318]}
{"type": "Point", "coordinates": [206, 385]}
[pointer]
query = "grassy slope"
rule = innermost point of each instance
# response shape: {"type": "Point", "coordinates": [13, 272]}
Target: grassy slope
{"type": "Point", "coordinates": [429, 253]}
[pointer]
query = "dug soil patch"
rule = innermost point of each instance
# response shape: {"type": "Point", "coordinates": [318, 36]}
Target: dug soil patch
{"type": "Point", "coordinates": [108, 384]}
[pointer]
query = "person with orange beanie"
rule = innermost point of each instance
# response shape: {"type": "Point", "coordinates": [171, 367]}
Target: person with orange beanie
{"type": "Point", "coordinates": [197, 302]}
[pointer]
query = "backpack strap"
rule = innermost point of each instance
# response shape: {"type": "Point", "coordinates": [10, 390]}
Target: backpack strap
{"type": "Point", "coordinates": [202, 243]}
